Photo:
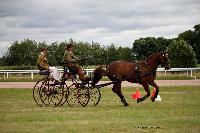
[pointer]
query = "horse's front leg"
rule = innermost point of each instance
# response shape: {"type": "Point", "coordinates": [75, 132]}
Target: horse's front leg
{"type": "Point", "coordinates": [146, 87]}
{"type": "Point", "coordinates": [117, 89]}
{"type": "Point", "coordinates": [153, 84]}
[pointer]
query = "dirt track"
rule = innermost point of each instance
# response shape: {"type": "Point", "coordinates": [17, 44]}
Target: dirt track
{"type": "Point", "coordinates": [30, 85]}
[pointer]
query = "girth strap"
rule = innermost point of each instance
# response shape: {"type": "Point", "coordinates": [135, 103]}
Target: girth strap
{"type": "Point", "coordinates": [137, 69]}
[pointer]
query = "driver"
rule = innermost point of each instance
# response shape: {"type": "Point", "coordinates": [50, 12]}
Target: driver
{"type": "Point", "coordinates": [70, 62]}
{"type": "Point", "coordinates": [42, 64]}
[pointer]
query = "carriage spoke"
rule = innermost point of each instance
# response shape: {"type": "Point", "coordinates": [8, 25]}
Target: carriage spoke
{"type": "Point", "coordinates": [95, 96]}
{"type": "Point", "coordinates": [38, 92]}
{"type": "Point", "coordinates": [83, 96]}
{"type": "Point", "coordinates": [72, 97]}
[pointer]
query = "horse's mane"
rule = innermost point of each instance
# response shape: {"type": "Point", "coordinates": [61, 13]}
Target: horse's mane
{"type": "Point", "coordinates": [152, 56]}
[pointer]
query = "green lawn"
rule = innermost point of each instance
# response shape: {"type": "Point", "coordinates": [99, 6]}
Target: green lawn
{"type": "Point", "coordinates": [179, 111]}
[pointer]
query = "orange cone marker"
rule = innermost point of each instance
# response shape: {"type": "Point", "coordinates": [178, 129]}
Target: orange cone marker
{"type": "Point", "coordinates": [136, 95]}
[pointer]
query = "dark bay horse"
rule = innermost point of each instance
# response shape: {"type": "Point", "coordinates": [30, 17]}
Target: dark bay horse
{"type": "Point", "coordinates": [142, 72]}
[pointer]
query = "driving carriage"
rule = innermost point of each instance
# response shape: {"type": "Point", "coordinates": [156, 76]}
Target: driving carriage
{"type": "Point", "coordinates": [142, 72]}
{"type": "Point", "coordinates": [47, 93]}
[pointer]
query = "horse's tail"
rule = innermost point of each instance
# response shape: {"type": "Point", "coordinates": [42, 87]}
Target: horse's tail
{"type": "Point", "coordinates": [98, 74]}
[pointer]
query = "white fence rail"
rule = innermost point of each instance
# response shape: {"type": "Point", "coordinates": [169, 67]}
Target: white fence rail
{"type": "Point", "coordinates": [89, 72]}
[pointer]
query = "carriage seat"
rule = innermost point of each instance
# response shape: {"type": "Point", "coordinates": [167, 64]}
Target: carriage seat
{"type": "Point", "coordinates": [44, 72]}
{"type": "Point", "coordinates": [69, 70]}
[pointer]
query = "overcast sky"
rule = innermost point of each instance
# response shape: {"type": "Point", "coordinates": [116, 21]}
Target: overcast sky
{"type": "Point", "coordinates": [104, 21]}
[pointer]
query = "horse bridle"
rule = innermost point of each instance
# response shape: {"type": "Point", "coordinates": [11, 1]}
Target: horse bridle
{"type": "Point", "coordinates": [165, 56]}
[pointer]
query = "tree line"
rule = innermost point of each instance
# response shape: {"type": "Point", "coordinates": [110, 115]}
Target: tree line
{"type": "Point", "coordinates": [26, 53]}
{"type": "Point", "coordinates": [183, 51]}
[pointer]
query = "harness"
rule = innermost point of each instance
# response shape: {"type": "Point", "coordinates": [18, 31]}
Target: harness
{"type": "Point", "coordinates": [150, 69]}
{"type": "Point", "coordinates": [137, 71]}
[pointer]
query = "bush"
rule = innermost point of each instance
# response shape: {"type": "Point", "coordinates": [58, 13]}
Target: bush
{"type": "Point", "coordinates": [181, 54]}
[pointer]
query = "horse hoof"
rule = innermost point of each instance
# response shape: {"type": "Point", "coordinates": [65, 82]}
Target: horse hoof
{"type": "Point", "coordinates": [152, 99]}
{"type": "Point", "coordinates": [139, 100]}
{"type": "Point", "coordinates": [126, 104]}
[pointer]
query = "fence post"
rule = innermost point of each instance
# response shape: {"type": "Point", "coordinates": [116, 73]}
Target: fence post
{"type": "Point", "coordinates": [61, 75]}
{"type": "Point", "coordinates": [7, 75]}
{"type": "Point", "coordinates": [32, 75]}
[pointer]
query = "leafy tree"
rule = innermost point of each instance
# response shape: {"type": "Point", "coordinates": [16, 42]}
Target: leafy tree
{"type": "Point", "coordinates": [188, 36]}
{"type": "Point", "coordinates": [125, 54]}
{"type": "Point", "coordinates": [23, 53]}
{"type": "Point", "coordinates": [93, 53]}
{"type": "Point", "coordinates": [193, 39]}
{"type": "Point", "coordinates": [1, 61]}
{"type": "Point", "coordinates": [181, 54]}
{"type": "Point", "coordinates": [144, 47]}
{"type": "Point", "coordinates": [96, 56]}
{"type": "Point", "coordinates": [197, 29]}
{"type": "Point", "coordinates": [82, 49]}
{"type": "Point", "coordinates": [52, 54]}
{"type": "Point", "coordinates": [163, 42]}
{"type": "Point", "coordinates": [41, 45]}
{"type": "Point", "coordinates": [59, 52]}
{"type": "Point", "coordinates": [111, 53]}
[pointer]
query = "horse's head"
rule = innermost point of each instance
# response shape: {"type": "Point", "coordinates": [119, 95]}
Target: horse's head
{"type": "Point", "coordinates": [98, 73]}
{"type": "Point", "coordinates": [164, 60]}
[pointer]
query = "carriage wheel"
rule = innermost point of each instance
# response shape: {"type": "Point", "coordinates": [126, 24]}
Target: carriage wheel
{"type": "Point", "coordinates": [83, 95]}
{"type": "Point", "coordinates": [51, 95]}
{"type": "Point", "coordinates": [80, 95]}
{"type": "Point", "coordinates": [95, 95]}
{"type": "Point", "coordinates": [37, 92]}
{"type": "Point", "coordinates": [72, 96]}
{"type": "Point", "coordinates": [65, 96]}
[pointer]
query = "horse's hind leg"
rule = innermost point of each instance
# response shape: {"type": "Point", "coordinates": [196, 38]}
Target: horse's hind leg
{"type": "Point", "coordinates": [146, 87]}
{"type": "Point", "coordinates": [117, 89]}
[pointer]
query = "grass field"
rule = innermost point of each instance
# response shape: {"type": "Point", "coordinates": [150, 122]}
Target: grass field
{"type": "Point", "coordinates": [178, 112]}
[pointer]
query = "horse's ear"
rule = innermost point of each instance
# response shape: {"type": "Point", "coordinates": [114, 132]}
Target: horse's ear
{"type": "Point", "coordinates": [159, 50]}
{"type": "Point", "coordinates": [163, 50]}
